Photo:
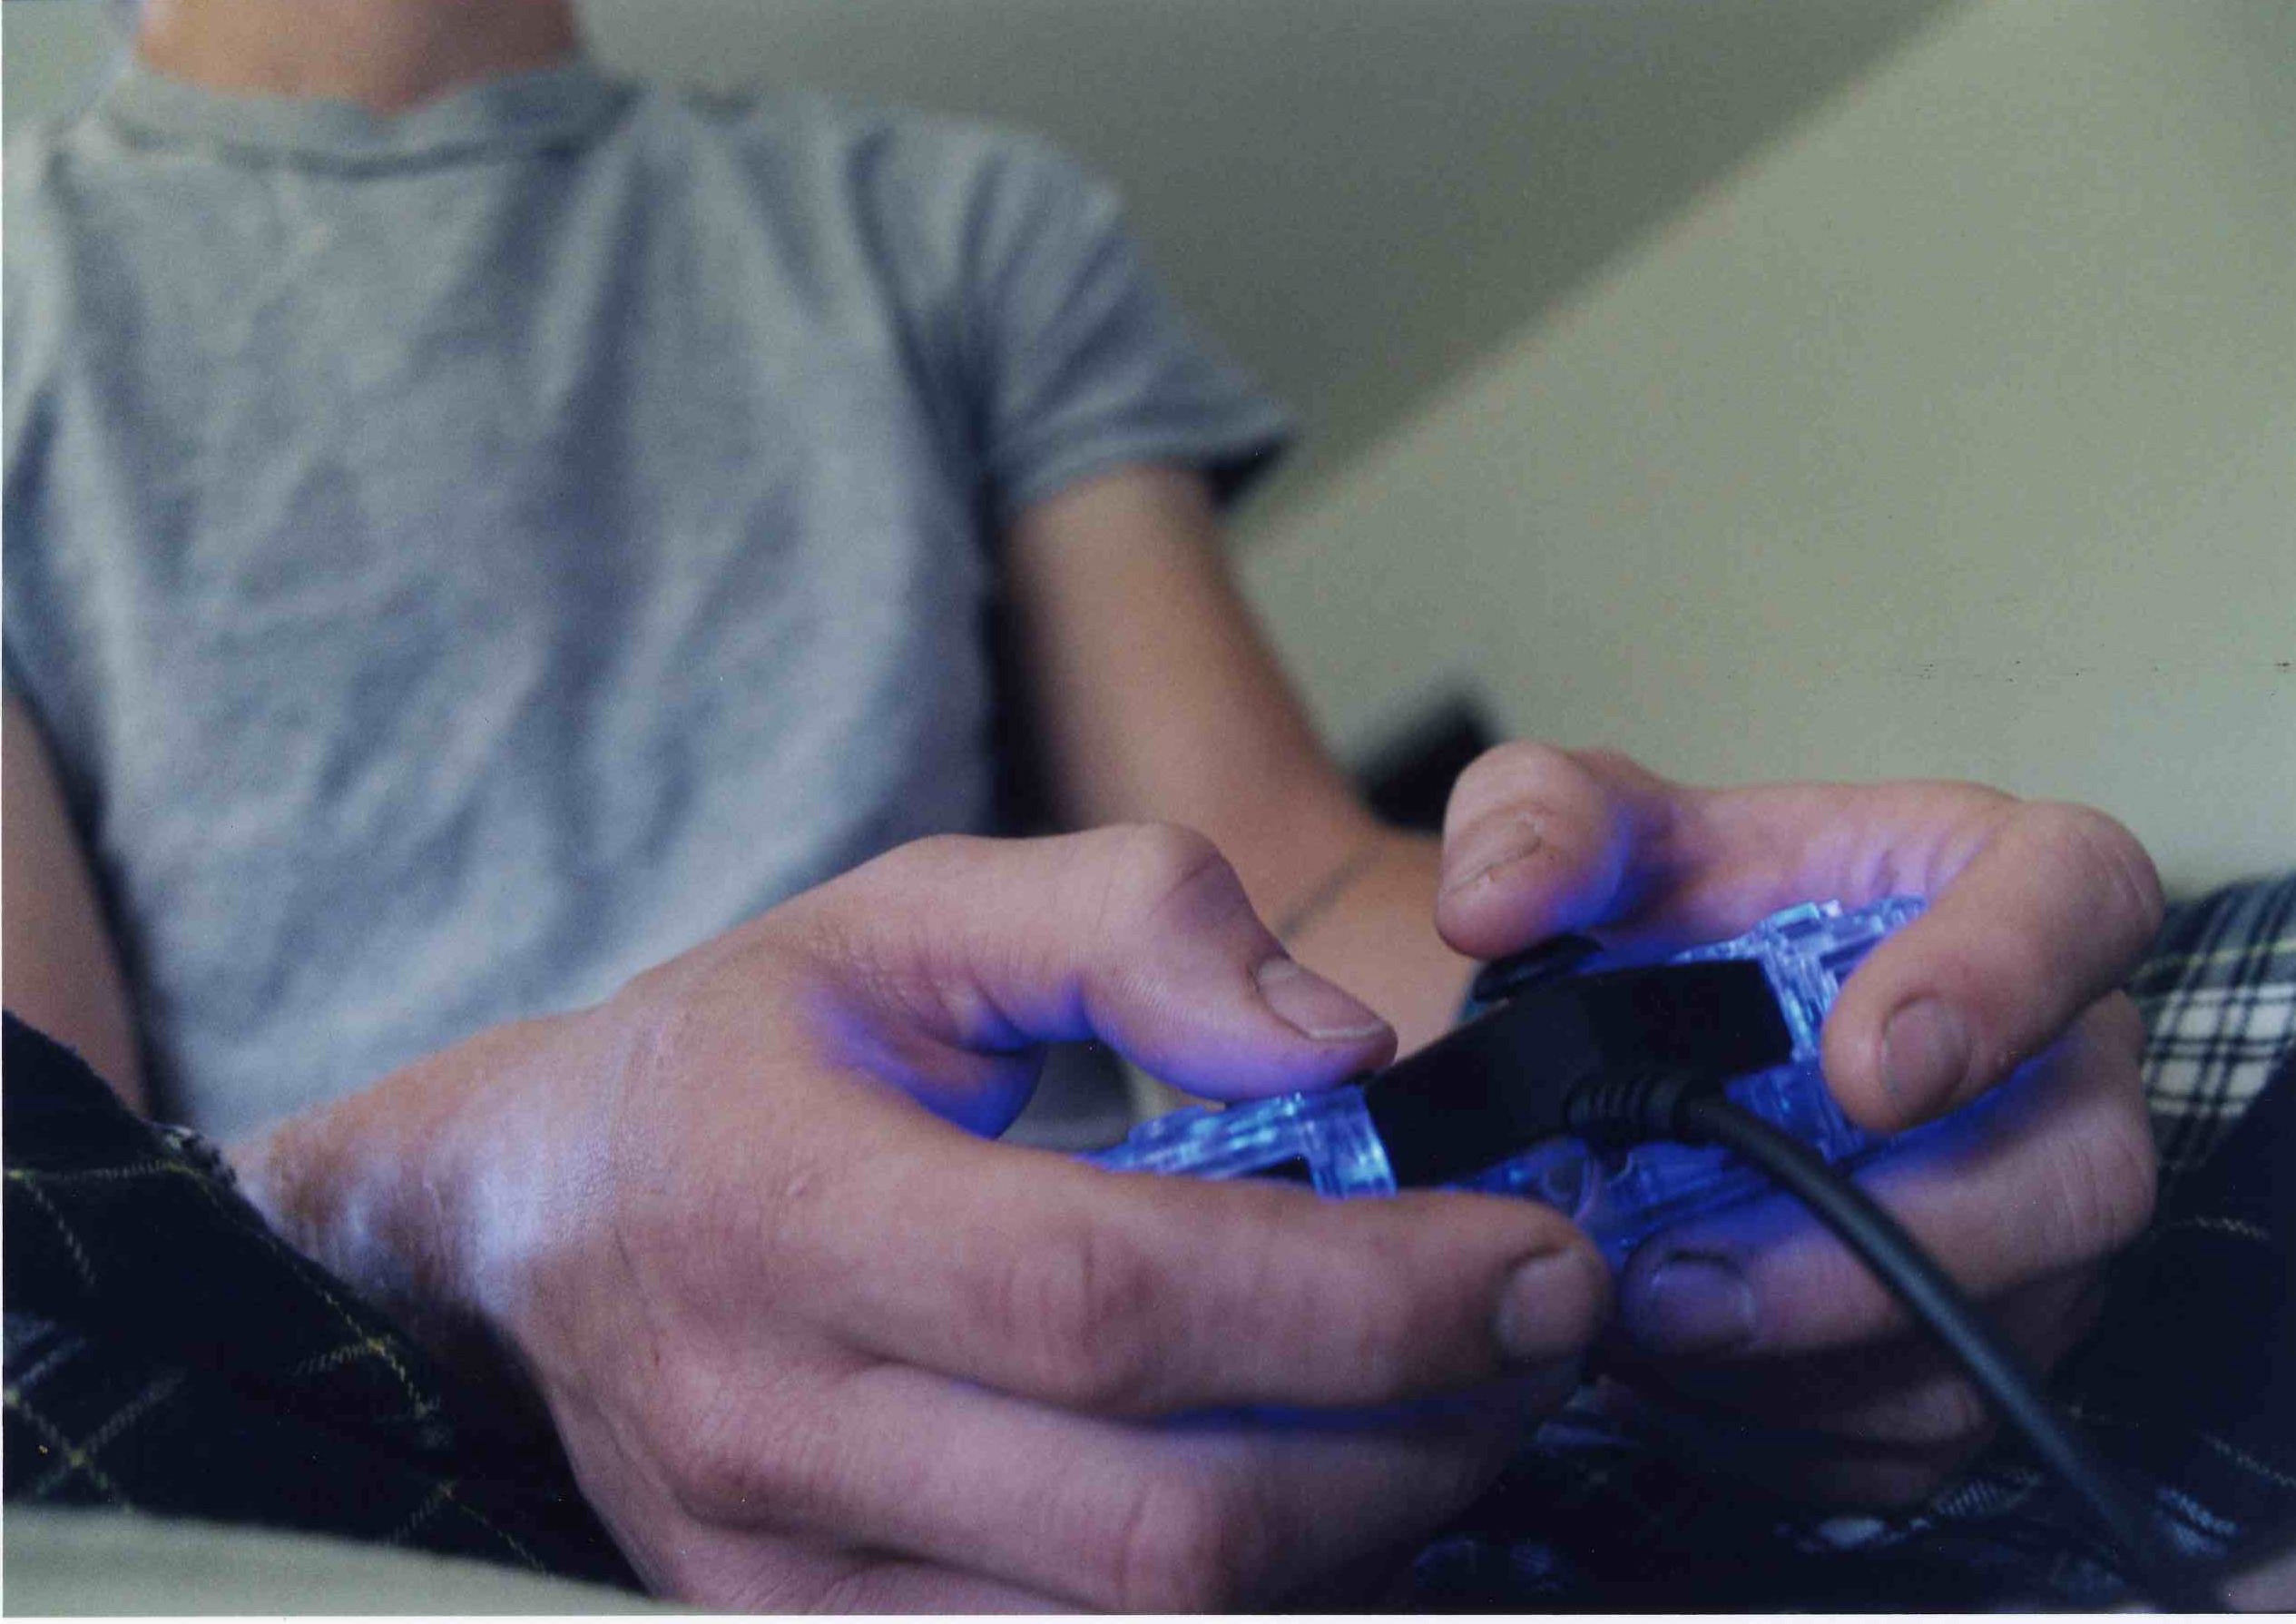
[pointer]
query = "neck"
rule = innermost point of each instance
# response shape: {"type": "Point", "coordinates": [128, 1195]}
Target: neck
{"type": "Point", "coordinates": [384, 54]}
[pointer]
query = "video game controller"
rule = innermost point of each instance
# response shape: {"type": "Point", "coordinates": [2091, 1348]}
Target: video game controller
{"type": "Point", "coordinates": [1483, 1107]}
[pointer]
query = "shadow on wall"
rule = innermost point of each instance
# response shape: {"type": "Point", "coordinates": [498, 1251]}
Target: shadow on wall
{"type": "Point", "coordinates": [1355, 197]}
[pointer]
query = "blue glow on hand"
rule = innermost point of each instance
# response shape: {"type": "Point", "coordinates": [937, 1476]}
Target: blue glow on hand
{"type": "Point", "coordinates": [1327, 1139]}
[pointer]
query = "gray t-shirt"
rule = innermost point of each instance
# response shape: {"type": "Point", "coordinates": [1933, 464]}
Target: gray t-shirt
{"type": "Point", "coordinates": [464, 558]}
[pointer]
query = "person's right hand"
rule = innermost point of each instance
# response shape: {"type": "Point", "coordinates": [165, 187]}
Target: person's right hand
{"type": "Point", "coordinates": [811, 1343]}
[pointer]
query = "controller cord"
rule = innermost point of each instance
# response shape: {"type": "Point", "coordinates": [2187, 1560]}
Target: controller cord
{"type": "Point", "coordinates": [1687, 1108]}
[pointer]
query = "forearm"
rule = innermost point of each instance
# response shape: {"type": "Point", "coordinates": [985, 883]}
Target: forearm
{"type": "Point", "coordinates": [1368, 924]}
{"type": "Point", "coordinates": [63, 967]}
{"type": "Point", "coordinates": [1157, 697]}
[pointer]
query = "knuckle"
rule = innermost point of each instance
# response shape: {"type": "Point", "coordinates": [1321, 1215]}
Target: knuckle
{"type": "Point", "coordinates": [2117, 1028]}
{"type": "Point", "coordinates": [852, 1588]}
{"type": "Point", "coordinates": [1157, 861]}
{"type": "Point", "coordinates": [1160, 880]}
{"type": "Point", "coordinates": [1369, 1344]}
{"type": "Point", "coordinates": [1504, 772]}
{"type": "Point", "coordinates": [717, 1458]}
{"type": "Point", "coordinates": [1950, 1415]}
{"type": "Point", "coordinates": [2109, 857]}
{"type": "Point", "coordinates": [1884, 1483]}
{"type": "Point", "coordinates": [1183, 1548]}
{"type": "Point", "coordinates": [1603, 761]}
{"type": "Point", "coordinates": [927, 854]}
{"type": "Point", "coordinates": [1375, 1335]}
{"type": "Point", "coordinates": [1081, 1309]}
{"type": "Point", "coordinates": [2096, 1184]}
{"type": "Point", "coordinates": [2000, 982]}
{"type": "Point", "coordinates": [2111, 1175]}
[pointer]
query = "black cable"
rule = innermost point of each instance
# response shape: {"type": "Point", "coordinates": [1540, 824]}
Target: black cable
{"type": "Point", "coordinates": [1688, 1109]}
{"type": "Point", "coordinates": [1930, 1294]}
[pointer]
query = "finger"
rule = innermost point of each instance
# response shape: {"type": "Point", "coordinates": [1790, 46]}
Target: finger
{"type": "Point", "coordinates": [737, 1569]}
{"type": "Point", "coordinates": [1903, 1392]}
{"type": "Point", "coordinates": [1131, 1293]}
{"type": "Point", "coordinates": [1789, 1464]}
{"type": "Point", "coordinates": [1206, 1513]}
{"type": "Point", "coordinates": [2038, 909]}
{"type": "Point", "coordinates": [731, 1522]}
{"type": "Point", "coordinates": [2268, 1581]}
{"type": "Point", "coordinates": [2047, 917]}
{"type": "Point", "coordinates": [2057, 1173]}
{"type": "Point", "coordinates": [1139, 937]}
{"type": "Point", "coordinates": [884, 1588]}
{"type": "Point", "coordinates": [1537, 841]}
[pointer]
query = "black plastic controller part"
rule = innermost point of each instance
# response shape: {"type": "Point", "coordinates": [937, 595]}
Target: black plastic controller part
{"type": "Point", "coordinates": [1500, 1084]}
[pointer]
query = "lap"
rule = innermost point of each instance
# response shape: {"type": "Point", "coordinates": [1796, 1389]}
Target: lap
{"type": "Point", "coordinates": [167, 1354]}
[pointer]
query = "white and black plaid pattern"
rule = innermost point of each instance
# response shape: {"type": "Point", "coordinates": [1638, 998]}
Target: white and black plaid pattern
{"type": "Point", "coordinates": [2218, 995]}
{"type": "Point", "coordinates": [2186, 1385]}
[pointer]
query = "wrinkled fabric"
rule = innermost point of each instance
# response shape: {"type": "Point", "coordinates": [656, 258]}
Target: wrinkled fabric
{"type": "Point", "coordinates": [167, 1354]}
{"type": "Point", "coordinates": [164, 1352]}
{"type": "Point", "coordinates": [465, 558]}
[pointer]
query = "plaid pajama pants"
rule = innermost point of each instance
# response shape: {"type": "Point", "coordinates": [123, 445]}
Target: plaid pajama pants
{"type": "Point", "coordinates": [164, 1352]}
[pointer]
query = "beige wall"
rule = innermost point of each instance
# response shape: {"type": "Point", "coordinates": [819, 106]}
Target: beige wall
{"type": "Point", "coordinates": [1355, 197]}
{"type": "Point", "coordinates": [1947, 428]}
{"type": "Point", "coordinates": [1955, 435]}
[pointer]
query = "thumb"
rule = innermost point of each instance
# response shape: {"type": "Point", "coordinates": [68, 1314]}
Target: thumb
{"type": "Point", "coordinates": [2049, 916]}
{"type": "Point", "coordinates": [1141, 937]}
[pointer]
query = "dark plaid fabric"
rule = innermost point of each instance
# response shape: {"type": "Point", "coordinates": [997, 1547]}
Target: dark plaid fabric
{"type": "Point", "coordinates": [2189, 1385]}
{"type": "Point", "coordinates": [166, 1353]}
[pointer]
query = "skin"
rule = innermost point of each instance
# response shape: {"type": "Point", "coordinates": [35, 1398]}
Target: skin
{"type": "Point", "coordinates": [2039, 913]}
{"type": "Point", "coordinates": [669, 1268]}
{"type": "Point", "coordinates": [386, 56]}
{"type": "Point", "coordinates": [746, 1257]}
{"type": "Point", "coordinates": [1757, 1317]}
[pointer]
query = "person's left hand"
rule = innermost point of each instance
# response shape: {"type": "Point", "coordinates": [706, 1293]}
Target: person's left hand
{"type": "Point", "coordinates": [1758, 1341]}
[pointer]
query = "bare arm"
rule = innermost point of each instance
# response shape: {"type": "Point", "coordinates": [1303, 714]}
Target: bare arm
{"type": "Point", "coordinates": [63, 971]}
{"type": "Point", "coordinates": [1159, 698]}
{"type": "Point", "coordinates": [731, 1228]}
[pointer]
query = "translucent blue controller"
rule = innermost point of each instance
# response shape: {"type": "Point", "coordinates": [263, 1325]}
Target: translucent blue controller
{"type": "Point", "coordinates": [1333, 1140]}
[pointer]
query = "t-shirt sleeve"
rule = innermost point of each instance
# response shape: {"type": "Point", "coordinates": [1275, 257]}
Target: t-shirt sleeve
{"type": "Point", "coordinates": [1081, 365]}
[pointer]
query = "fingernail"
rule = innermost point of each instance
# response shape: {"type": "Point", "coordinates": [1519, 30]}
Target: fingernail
{"type": "Point", "coordinates": [1542, 1316]}
{"type": "Point", "coordinates": [1309, 1004]}
{"type": "Point", "coordinates": [1925, 1053]}
{"type": "Point", "coordinates": [1690, 1305]}
{"type": "Point", "coordinates": [1491, 844]}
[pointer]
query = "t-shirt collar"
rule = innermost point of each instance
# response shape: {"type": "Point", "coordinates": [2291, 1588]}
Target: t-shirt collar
{"type": "Point", "coordinates": [559, 105]}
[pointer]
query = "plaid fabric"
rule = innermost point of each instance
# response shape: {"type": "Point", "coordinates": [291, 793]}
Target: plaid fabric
{"type": "Point", "coordinates": [166, 1353]}
{"type": "Point", "coordinates": [2219, 996]}
{"type": "Point", "coordinates": [2189, 1385]}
